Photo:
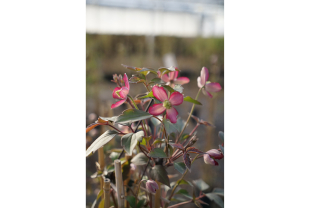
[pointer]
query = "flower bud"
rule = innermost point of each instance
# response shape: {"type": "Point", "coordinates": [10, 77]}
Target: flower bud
{"type": "Point", "coordinates": [151, 186]}
{"type": "Point", "coordinates": [209, 160]}
{"type": "Point", "coordinates": [214, 153]}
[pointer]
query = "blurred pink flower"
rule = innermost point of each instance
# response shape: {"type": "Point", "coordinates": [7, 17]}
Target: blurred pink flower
{"type": "Point", "coordinates": [211, 155]}
{"type": "Point", "coordinates": [171, 78]}
{"type": "Point", "coordinates": [121, 93]}
{"type": "Point", "coordinates": [176, 98]}
{"type": "Point", "coordinates": [151, 186]}
{"type": "Point", "coordinates": [202, 81]}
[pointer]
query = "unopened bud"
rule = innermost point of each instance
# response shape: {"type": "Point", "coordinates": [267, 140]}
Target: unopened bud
{"type": "Point", "coordinates": [151, 186]}
{"type": "Point", "coordinates": [214, 153]}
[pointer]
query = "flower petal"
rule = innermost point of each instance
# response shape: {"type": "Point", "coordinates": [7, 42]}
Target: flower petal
{"type": "Point", "coordinates": [181, 80]}
{"type": "Point", "coordinates": [199, 83]}
{"type": "Point", "coordinates": [159, 93]}
{"type": "Point", "coordinates": [208, 160]}
{"type": "Point", "coordinates": [213, 87]}
{"type": "Point", "coordinates": [126, 81]}
{"type": "Point", "coordinates": [207, 93]}
{"type": "Point", "coordinates": [172, 114]}
{"type": "Point", "coordinates": [118, 103]}
{"type": "Point", "coordinates": [114, 94]}
{"type": "Point", "coordinates": [124, 92]}
{"type": "Point", "coordinates": [204, 74]}
{"type": "Point", "coordinates": [176, 98]}
{"type": "Point", "coordinates": [215, 154]}
{"type": "Point", "coordinates": [173, 75]}
{"type": "Point", "coordinates": [165, 78]}
{"type": "Point", "coordinates": [157, 109]}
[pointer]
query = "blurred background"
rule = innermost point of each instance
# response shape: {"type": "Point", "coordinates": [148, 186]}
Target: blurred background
{"type": "Point", "coordinates": [155, 33]}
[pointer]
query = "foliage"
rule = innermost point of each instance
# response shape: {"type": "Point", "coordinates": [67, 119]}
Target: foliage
{"type": "Point", "coordinates": [156, 149]}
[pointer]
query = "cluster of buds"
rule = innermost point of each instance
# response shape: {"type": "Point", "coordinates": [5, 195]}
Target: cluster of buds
{"type": "Point", "coordinates": [211, 155]}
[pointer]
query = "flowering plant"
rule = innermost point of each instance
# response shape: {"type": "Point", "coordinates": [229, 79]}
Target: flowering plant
{"type": "Point", "coordinates": [153, 141]}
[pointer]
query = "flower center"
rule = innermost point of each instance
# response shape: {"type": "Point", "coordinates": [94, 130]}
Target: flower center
{"type": "Point", "coordinates": [167, 104]}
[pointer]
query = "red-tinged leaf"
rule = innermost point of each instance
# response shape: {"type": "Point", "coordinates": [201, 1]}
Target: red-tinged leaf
{"type": "Point", "coordinates": [194, 150]}
{"type": "Point", "coordinates": [131, 67]}
{"type": "Point", "coordinates": [179, 146]}
{"type": "Point", "coordinates": [187, 161]}
{"type": "Point", "coordinates": [91, 126]}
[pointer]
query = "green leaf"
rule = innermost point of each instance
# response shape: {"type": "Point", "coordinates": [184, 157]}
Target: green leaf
{"type": "Point", "coordinates": [110, 168]}
{"type": "Point", "coordinates": [139, 159]}
{"type": "Point", "coordinates": [159, 173]}
{"type": "Point", "coordinates": [129, 141]}
{"type": "Point", "coordinates": [184, 136]}
{"type": "Point", "coordinates": [222, 148]}
{"type": "Point", "coordinates": [132, 115]}
{"type": "Point", "coordinates": [170, 89]}
{"type": "Point", "coordinates": [155, 121]}
{"type": "Point", "coordinates": [221, 135]}
{"type": "Point", "coordinates": [149, 95]}
{"type": "Point", "coordinates": [100, 141]}
{"type": "Point", "coordinates": [140, 203]}
{"type": "Point", "coordinates": [184, 193]}
{"type": "Point", "coordinates": [201, 185]}
{"type": "Point", "coordinates": [108, 118]}
{"type": "Point", "coordinates": [156, 81]}
{"type": "Point", "coordinates": [98, 197]}
{"type": "Point", "coordinates": [179, 166]}
{"type": "Point", "coordinates": [132, 201]}
{"type": "Point", "coordinates": [158, 141]}
{"type": "Point", "coordinates": [157, 153]}
{"type": "Point", "coordinates": [217, 199]}
{"type": "Point", "coordinates": [148, 70]}
{"type": "Point", "coordinates": [170, 128]}
{"type": "Point", "coordinates": [191, 100]}
{"type": "Point", "coordinates": [185, 182]}
{"type": "Point", "coordinates": [218, 191]}
{"type": "Point", "coordinates": [135, 80]}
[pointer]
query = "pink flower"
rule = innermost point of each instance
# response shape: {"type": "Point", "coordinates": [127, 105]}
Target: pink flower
{"type": "Point", "coordinates": [208, 86]}
{"type": "Point", "coordinates": [171, 78]}
{"type": "Point", "coordinates": [176, 98]}
{"type": "Point", "coordinates": [151, 186]}
{"type": "Point", "coordinates": [121, 93]}
{"type": "Point", "coordinates": [211, 155]}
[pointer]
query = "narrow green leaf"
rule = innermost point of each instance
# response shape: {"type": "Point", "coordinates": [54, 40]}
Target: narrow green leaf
{"type": "Point", "coordinates": [158, 141]}
{"type": "Point", "coordinates": [170, 89]}
{"type": "Point", "coordinates": [139, 159]}
{"type": "Point", "coordinates": [108, 118]}
{"type": "Point", "coordinates": [201, 185]}
{"type": "Point", "coordinates": [132, 115]}
{"type": "Point", "coordinates": [185, 182]}
{"type": "Point", "coordinates": [129, 141]}
{"type": "Point", "coordinates": [222, 148]}
{"type": "Point", "coordinates": [157, 153]}
{"type": "Point", "coordinates": [179, 166]}
{"type": "Point", "coordinates": [217, 199]}
{"type": "Point", "coordinates": [159, 173]}
{"type": "Point", "coordinates": [149, 95]}
{"type": "Point", "coordinates": [191, 100]}
{"type": "Point", "coordinates": [132, 201]}
{"type": "Point", "coordinates": [100, 141]}
{"type": "Point", "coordinates": [184, 193]}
